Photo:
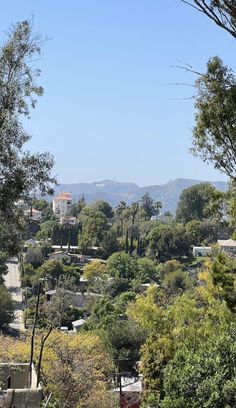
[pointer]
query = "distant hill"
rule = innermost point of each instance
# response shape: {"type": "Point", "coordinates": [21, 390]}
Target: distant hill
{"type": "Point", "coordinates": [114, 191]}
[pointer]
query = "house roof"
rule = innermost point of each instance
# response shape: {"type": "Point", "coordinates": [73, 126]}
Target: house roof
{"type": "Point", "coordinates": [226, 243]}
{"type": "Point", "coordinates": [58, 253]}
{"type": "Point", "coordinates": [63, 196]}
{"type": "Point", "coordinates": [78, 323]}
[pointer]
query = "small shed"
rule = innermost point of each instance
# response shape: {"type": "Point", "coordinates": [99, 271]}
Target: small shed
{"type": "Point", "coordinates": [77, 324]}
{"type": "Point", "coordinates": [201, 251]}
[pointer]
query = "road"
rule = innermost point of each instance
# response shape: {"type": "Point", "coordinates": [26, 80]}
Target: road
{"type": "Point", "coordinates": [13, 285]}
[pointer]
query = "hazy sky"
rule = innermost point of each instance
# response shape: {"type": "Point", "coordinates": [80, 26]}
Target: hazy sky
{"type": "Point", "coordinates": [109, 110]}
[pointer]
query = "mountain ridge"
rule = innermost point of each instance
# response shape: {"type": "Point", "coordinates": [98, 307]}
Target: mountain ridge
{"type": "Point", "coordinates": [116, 191]}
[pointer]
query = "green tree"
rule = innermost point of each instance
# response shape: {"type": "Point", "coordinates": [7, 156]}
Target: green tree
{"type": "Point", "coordinates": [109, 244]}
{"type": "Point", "coordinates": [52, 270]}
{"type": "Point", "coordinates": [104, 207]}
{"type": "Point", "coordinates": [166, 242]}
{"type": "Point", "coordinates": [214, 134]}
{"type": "Point", "coordinates": [193, 203]}
{"type": "Point", "coordinates": [121, 265]}
{"type": "Point", "coordinates": [147, 270]}
{"type": "Point", "coordinates": [93, 270]}
{"type": "Point", "coordinates": [34, 257]}
{"type": "Point", "coordinates": [148, 206]}
{"type": "Point", "coordinates": [22, 174]}
{"type": "Point", "coordinates": [204, 377]}
{"type": "Point", "coordinates": [6, 308]}
{"type": "Point", "coordinates": [95, 225]}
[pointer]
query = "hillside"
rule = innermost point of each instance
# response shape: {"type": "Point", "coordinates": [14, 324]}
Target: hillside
{"type": "Point", "coordinates": [114, 191]}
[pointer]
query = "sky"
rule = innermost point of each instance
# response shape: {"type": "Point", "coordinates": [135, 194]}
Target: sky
{"type": "Point", "coordinates": [111, 107]}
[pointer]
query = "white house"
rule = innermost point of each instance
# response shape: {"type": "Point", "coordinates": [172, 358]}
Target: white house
{"type": "Point", "coordinates": [59, 255]}
{"type": "Point", "coordinates": [228, 246]}
{"type": "Point", "coordinates": [62, 204]}
{"type": "Point", "coordinates": [33, 214]}
{"type": "Point", "coordinates": [77, 324]}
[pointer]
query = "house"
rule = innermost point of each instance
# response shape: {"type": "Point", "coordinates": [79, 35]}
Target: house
{"type": "Point", "coordinates": [201, 251]}
{"type": "Point", "coordinates": [30, 243]}
{"type": "Point", "coordinates": [33, 214]}
{"type": "Point", "coordinates": [228, 246]}
{"type": "Point", "coordinates": [61, 205]}
{"type": "Point", "coordinates": [15, 389]}
{"type": "Point", "coordinates": [59, 255]}
{"type": "Point", "coordinates": [77, 324]}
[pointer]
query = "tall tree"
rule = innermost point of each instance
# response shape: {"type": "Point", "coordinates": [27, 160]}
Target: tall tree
{"type": "Point", "coordinates": [148, 206]}
{"type": "Point", "coordinates": [194, 202]}
{"type": "Point", "coordinates": [214, 135]}
{"type": "Point", "coordinates": [22, 174]}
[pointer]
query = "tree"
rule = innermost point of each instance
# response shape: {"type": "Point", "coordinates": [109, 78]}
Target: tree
{"type": "Point", "coordinates": [74, 367]}
{"type": "Point", "coordinates": [95, 225]}
{"type": "Point", "coordinates": [109, 244]}
{"type": "Point", "coordinates": [22, 174]}
{"type": "Point", "coordinates": [193, 202]}
{"type": "Point", "coordinates": [176, 281]}
{"type": "Point", "coordinates": [202, 232]}
{"type": "Point", "coordinates": [125, 338]}
{"type": "Point", "coordinates": [214, 135]}
{"type": "Point", "coordinates": [147, 270]}
{"type": "Point", "coordinates": [222, 12]}
{"type": "Point", "coordinates": [52, 270]}
{"type": "Point", "coordinates": [104, 207]}
{"type": "Point", "coordinates": [34, 257]}
{"type": "Point", "coordinates": [6, 308]}
{"type": "Point", "coordinates": [121, 265]}
{"type": "Point", "coordinates": [93, 270]}
{"type": "Point", "coordinates": [148, 206]}
{"type": "Point", "coordinates": [166, 242]}
{"type": "Point", "coordinates": [204, 377]}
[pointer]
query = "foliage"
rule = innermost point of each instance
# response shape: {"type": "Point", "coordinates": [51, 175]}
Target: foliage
{"type": "Point", "coordinates": [214, 133]}
{"type": "Point", "coordinates": [147, 270]}
{"type": "Point", "coordinates": [46, 229]}
{"type": "Point", "coordinates": [125, 338]}
{"type": "Point", "coordinates": [22, 173]}
{"type": "Point", "coordinates": [103, 207]}
{"type": "Point", "coordinates": [193, 203]}
{"type": "Point", "coordinates": [6, 308]}
{"type": "Point", "coordinates": [94, 269]}
{"type": "Point", "coordinates": [3, 266]}
{"type": "Point", "coordinates": [121, 265]}
{"type": "Point", "coordinates": [95, 225]}
{"type": "Point", "coordinates": [116, 286]}
{"type": "Point", "coordinates": [176, 281]}
{"type": "Point", "coordinates": [224, 276]}
{"type": "Point", "coordinates": [109, 244]}
{"type": "Point", "coordinates": [205, 377]}
{"type": "Point", "coordinates": [166, 242]}
{"type": "Point", "coordinates": [52, 270]}
{"type": "Point", "coordinates": [34, 256]}
{"type": "Point", "coordinates": [222, 12]}
{"type": "Point", "coordinates": [73, 366]}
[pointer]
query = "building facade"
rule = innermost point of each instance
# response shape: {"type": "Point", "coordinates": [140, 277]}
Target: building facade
{"type": "Point", "coordinates": [62, 204]}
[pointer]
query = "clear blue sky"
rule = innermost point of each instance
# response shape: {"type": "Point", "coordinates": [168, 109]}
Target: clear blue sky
{"type": "Point", "coordinates": [108, 110]}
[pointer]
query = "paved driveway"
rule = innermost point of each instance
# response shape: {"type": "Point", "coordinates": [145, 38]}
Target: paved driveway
{"type": "Point", "coordinates": [13, 285]}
